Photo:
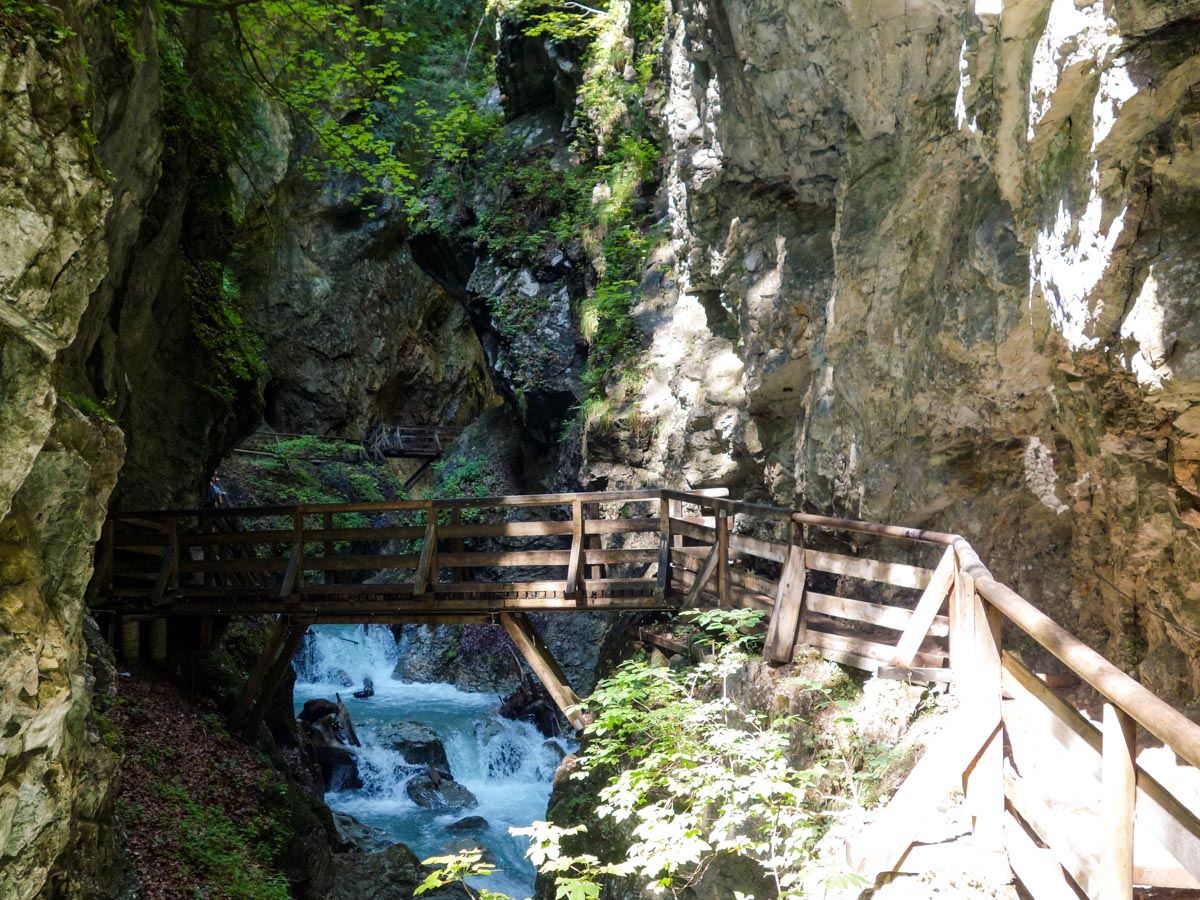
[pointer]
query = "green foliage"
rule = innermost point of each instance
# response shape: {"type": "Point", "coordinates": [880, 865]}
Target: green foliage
{"type": "Point", "coordinates": [365, 80]}
{"type": "Point", "coordinates": [108, 730]}
{"type": "Point", "coordinates": [467, 473]}
{"type": "Point", "coordinates": [122, 17]}
{"type": "Point", "coordinates": [207, 113]}
{"type": "Point", "coordinates": [454, 870]}
{"type": "Point", "coordinates": [334, 66]}
{"type": "Point", "coordinates": [95, 409]}
{"type": "Point", "coordinates": [729, 627]}
{"type": "Point", "coordinates": [233, 351]}
{"type": "Point", "coordinates": [220, 827]}
{"type": "Point", "coordinates": [21, 19]}
{"type": "Point", "coordinates": [534, 203]}
{"type": "Point", "coordinates": [576, 876]}
{"type": "Point", "coordinates": [232, 857]}
{"type": "Point", "coordinates": [697, 778]}
{"type": "Point", "coordinates": [311, 446]}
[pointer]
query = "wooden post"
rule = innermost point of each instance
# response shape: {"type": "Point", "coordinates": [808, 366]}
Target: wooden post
{"type": "Point", "coordinates": [576, 575]}
{"type": "Point", "coordinates": [458, 545]}
{"type": "Point", "coordinates": [427, 573]}
{"type": "Point", "coordinates": [978, 635]}
{"type": "Point", "coordinates": [786, 628]}
{"type": "Point", "coordinates": [173, 543]}
{"type": "Point", "coordinates": [594, 542]}
{"type": "Point", "coordinates": [663, 587]}
{"type": "Point", "coordinates": [880, 846]}
{"type": "Point", "coordinates": [164, 575]}
{"type": "Point", "coordinates": [131, 639]}
{"type": "Point", "coordinates": [1118, 777]}
{"type": "Point", "coordinates": [276, 674]}
{"type": "Point", "coordinates": [293, 577]}
{"type": "Point", "coordinates": [675, 510]}
{"type": "Point", "coordinates": [104, 575]}
{"type": "Point", "coordinates": [205, 634]}
{"type": "Point", "coordinates": [926, 610]}
{"type": "Point", "coordinates": [158, 639]}
{"type": "Point", "coordinates": [258, 675]}
{"type": "Point", "coordinates": [525, 635]}
{"type": "Point", "coordinates": [723, 592]}
{"type": "Point", "coordinates": [331, 575]}
{"type": "Point", "coordinates": [702, 578]}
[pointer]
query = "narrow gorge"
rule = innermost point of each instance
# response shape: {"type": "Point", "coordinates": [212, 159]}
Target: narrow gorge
{"type": "Point", "coordinates": [919, 263]}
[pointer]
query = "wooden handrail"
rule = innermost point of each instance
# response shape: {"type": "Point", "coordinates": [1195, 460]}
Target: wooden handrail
{"type": "Point", "coordinates": [1150, 711]}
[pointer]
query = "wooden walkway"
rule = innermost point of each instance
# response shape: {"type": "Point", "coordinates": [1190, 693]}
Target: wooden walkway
{"type": "Point", "coordinates": [426, 442]}
{"type": "Point", "coordinates": [897, 601]}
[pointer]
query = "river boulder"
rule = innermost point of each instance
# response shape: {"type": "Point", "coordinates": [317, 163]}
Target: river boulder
{"type": "Point", "coordinates": [361, 837]}
{"type": "Point", "coordinates": [419, 744]}
{"type": "Point", "coordinates": [531, 703]}
{"type": "Point", "coordinates": [317, 709]}
{"type": "Point", "coordinates": [390, 874]}
{"type": "Point", "coordinates": [339, 767]}
{"type": "Point", "coordinates": [470, 823]}
{"type": "Point", "coordinates": [437, 790]}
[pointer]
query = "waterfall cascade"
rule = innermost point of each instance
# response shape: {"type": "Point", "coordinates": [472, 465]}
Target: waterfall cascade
{"type": "Point", "coordinates": [507, 765]}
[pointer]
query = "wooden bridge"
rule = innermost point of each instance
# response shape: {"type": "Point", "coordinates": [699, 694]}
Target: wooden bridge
{"type": "Point", "coordinates": [897, 601]}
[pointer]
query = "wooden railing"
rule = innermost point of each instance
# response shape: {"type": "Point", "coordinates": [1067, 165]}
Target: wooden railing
{"type": "Point", "coordinates": [931, 611]}
{"type": "Point", "coordinates": [316, 559]}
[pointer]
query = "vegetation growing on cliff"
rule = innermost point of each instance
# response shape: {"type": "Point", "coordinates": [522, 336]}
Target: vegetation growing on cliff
{"type": "Point", "coordinates": [522, 205]}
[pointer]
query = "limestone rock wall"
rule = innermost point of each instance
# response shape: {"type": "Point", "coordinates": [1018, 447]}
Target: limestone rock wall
{"type": "Point", "coordinates": [101, 371]}
{"type": "Point", "coordinates": [57, 469]}
{"type": "Point", "coordinates": [356, 334]}
{"type": "Point", "coordinates": [935, 264]}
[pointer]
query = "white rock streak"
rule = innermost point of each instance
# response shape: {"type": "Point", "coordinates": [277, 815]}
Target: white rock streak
{"type": "Point", "coordinates": [1073, 37]}
{"type": "Point", "coordinates": [964, 85]}
{"type": "Point", "coordinates": [1116, 87]}
{"type": "Point", "coordinates": [1040, 476]}
{"type": "Point", "coordinates": [1070, 258]}
{"type": "Point", "coordinates": [1144, 324]}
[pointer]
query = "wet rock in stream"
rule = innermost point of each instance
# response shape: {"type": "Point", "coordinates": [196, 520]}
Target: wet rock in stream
{"type": "Point", "coordinates": [390, 874]}
{"type": "Point", "coordinates": [316, 709]}
{"type": "Point", "coordinates": [470, 823]}
{"type": "Point", "coordinates": [419, 744]}
{"type": "Point", "coordinates": [437, 790]}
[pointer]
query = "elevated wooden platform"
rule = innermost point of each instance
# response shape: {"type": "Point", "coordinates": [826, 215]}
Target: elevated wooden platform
{"type": "Point", "coordinates": [900, 602]}
{"type": "Point", "coordinates": [427, 442]}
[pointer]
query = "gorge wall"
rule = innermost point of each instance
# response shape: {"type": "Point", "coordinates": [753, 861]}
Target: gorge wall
{"type": "Point", "coordinates": [923, 264]}
{"type": "Point", "coordinates": [129, 345]}
{"type": "Point", "coordinates": [935, 266]}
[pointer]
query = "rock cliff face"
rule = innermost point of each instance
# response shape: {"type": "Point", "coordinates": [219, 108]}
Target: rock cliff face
{"type": "Point", "coordinates": [356, 333]}
{"type": "Point", "coordinates": [934, 265]}
{"type": "Point", "coordinates": [102, 370]}
{"type": "Point", "coordinates": [57, 469]}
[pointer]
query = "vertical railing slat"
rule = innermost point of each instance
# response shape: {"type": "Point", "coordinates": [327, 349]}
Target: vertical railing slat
{"type": "Point", "coordinates": [723, 590]}
{"type": "Point", "coordinates": [1118, 778]}
{"type": "Point", "coordinates": [979, 631]}
{"type": "Point", "coordinates": [331, 575]}
{"type": "Point", "coordinates": [663, 586]}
